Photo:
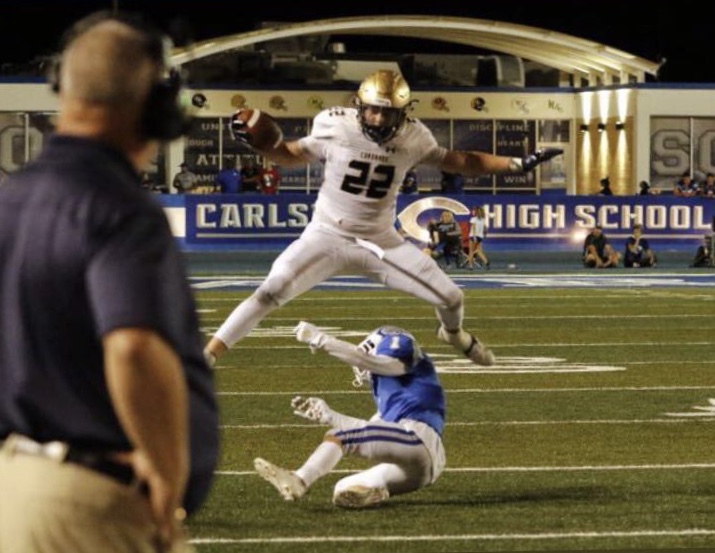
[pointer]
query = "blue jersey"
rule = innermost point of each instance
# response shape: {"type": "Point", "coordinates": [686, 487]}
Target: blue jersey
{"type": "Point", "coordinates": [417, 395]}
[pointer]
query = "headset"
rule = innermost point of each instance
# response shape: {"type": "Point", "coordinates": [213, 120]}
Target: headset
{"type": "Point", "coordinates": [164, 117]}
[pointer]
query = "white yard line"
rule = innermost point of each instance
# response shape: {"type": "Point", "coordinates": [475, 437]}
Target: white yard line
{"type": "Point", "coordinates": [674, 420]}
{"type": "Point", "coordinates": [461, 537]}
{"type": "Point", "coordinates": [585, 468]}
{"type": "Point", "coordinates": [486, 390]}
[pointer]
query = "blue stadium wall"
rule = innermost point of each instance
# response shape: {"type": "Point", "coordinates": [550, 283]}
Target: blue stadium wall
{"type": "Point", "coordinates": [516, 222]}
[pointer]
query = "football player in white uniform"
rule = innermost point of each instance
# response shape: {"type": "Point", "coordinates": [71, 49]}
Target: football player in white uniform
{"type": "Point", "coordinates": [366, 151]}
{"type": "Point", "coordinates": [404, 437]}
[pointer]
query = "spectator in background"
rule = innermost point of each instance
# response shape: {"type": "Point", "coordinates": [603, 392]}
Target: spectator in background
{"type": "Point", "coordinates": [606, 187]}
{"type": "Point", "coordinates": [704, 254]}
{"type": "Point", "coordinates": [185, 180]}
{"type": "Point", "coordinates": [477, 234]}
{"type": "Point", "coordinates": [638, 252]}
{"type": "Point", "coordinates": [148, 184]}
{"type": "Point", "coordinates": [250, 175]}
{"type": "Point", "coordinates": [597, 250]}
{"type": "Point", "coordinates": [432, 237]}
{"type": "Point", "coordinates": [409, 184]}
{"type": "Point", "coordinates": [449, 239]}
{"type": "Point", "coordinates": [707, 188]}
{"type": "Point", "coordinates": [270, 180]}
{"type": "Point", "coordinates": [452, 183]}
{"type": "Point", "coordinates": [228, 180]}
{"type": "Point", "coordinates": [686, 187]}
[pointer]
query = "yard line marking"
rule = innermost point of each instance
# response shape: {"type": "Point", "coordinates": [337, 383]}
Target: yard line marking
{"type": "Point", "coordinates": [674, 420]}
{"type": "Point", "coordinates": [486, 300]}
{"type": "Point", "coordinates": [458, 537]}
{"type": "Point", "coordinates": [542, 345]}
{"type": "Point", "coordinates": [321, 319]}
{"type": "Point", "coordinates": [586, 468]}
{"type": "Point", "coordinates": [486, 390]}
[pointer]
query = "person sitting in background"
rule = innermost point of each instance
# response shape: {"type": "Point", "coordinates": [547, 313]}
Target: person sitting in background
{"type": "Point", "coordinates": [449, 239]}
{"type": "Point", "coordinates": [228, 180]}
{"type": "Point", "coordinates": [432, 237]}
{"type": "Point", "coordinates": [707, 188]}
{"type": "Point", "coordinates": [409, 184]}
{"type": "Point", "coordinates": [269, 180]}
{"type": "Point", "coordinates": [597, 250]}
{"type": "Point", "coordinates": [638, 252]}
{"type": "Point", "coordinates": [704, 254]}
{"type": "Point", "coordinates": [686, 187]}
{"type": "Point", "coordinates": [645, 189]}
{"type": "Point", "coordinates": [606, 187]}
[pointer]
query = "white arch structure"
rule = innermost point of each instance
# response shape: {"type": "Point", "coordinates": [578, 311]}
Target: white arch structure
{"type": "Point", "coordinates": [584, 59]}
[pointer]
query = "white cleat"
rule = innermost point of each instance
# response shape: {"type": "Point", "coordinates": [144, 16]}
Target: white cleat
{"type": "Point", "coordinates": [360, 497]}
{"type": "Point", "coordinates": [476, 351]}
{"type": "Point", "coordinates": [290, 486]}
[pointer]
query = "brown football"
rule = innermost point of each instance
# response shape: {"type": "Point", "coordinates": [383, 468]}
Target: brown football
{"type": "Point", "coordinates": [262, 129]}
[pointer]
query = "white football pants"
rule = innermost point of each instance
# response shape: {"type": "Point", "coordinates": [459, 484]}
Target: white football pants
{"type": "Point", "coordinates": [320, 253]}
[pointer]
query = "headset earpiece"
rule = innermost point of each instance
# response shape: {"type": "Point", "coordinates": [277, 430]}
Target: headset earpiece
{"type": "Point", "coordinates": [164, 116]}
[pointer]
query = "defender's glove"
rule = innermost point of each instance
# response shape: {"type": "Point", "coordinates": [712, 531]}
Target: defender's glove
{"type": "Point", "coordinates": [312, 408]}
{"type": "Point", "coordinates": [239, 128]}
{"type": "Point", "coordinates": [530, 162]}
{"type": "Point", "coordinates": [311, 335]}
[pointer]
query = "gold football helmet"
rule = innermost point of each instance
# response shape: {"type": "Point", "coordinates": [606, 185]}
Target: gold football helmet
{"type": "Point", "coordinates": [383, 101]}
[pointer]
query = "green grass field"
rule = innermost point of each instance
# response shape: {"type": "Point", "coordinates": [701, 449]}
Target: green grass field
{"type": "Point", "coordinates": [586, 436]}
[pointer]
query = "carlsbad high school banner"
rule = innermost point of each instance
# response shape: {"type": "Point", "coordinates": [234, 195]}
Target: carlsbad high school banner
{"type": "Point", "coordinates": [515, 221]}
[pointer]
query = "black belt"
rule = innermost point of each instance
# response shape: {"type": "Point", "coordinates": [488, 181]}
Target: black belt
{"type": "Point", "coordinates": [96, 461]}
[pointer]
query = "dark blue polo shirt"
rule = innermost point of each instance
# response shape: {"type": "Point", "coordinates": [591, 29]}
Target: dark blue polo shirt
{"type": "Point", "coordinates": [83, 251]}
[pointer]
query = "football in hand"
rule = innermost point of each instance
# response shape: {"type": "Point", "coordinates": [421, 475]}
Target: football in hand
{"type": "Point", "coordinates": [260, 130]}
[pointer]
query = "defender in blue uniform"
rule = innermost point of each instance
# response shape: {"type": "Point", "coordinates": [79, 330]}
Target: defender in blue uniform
{"type": "Point", "coordinates": [404, 437]}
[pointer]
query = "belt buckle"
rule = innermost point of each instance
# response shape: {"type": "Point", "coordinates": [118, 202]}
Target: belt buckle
{"type": "Point", "coordinates": [18, 444]}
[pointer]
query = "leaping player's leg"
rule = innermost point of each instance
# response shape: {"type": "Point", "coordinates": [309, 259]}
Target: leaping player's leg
{"type": "Point", "coordinates": [305, 263]}
{"type": "Point", "coordinates": [404, 269]}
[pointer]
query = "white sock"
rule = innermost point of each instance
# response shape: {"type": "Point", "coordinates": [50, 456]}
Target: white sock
{"type": "Point", "coordinates": [459, 339]}
{"type": "Point", "coordinates": [321, 462]}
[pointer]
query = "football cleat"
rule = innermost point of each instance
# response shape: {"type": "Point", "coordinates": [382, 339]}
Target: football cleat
{"type": "Point", "coordinates": [360, 497]}
{"type": "Point", "coordinates": [290, 486]}
{"type": "Point", "coordinates": [476, 351]}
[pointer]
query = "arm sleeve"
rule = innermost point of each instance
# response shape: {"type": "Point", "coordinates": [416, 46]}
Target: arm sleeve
{"type": "Point", "coordinates": [315, 144]}
{"type": "Point", "coordinates": [350, 354]}
{"type": "Point", "coordinates": [429, 151]}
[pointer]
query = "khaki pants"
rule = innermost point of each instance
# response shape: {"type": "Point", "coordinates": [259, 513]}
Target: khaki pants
{"type": "Point", "coordinates": [52, 507]}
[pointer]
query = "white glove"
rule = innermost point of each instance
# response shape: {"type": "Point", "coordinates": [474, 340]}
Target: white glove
{"type": "Point", "coordinates": [312, 408]}
{"type": "Point", "coordinates": [311, 335]}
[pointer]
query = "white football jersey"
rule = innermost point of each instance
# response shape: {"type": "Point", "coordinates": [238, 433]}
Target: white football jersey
{"type": "Point", "coordinates": [362, 178]}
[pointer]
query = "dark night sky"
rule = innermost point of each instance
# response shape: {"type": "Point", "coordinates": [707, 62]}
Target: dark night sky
{"type": "Point", "coordinates": [680, 31]}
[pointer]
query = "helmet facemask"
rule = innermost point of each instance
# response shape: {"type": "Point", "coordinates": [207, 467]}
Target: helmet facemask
{"type": "Point", "coordinates": [383, 101]}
